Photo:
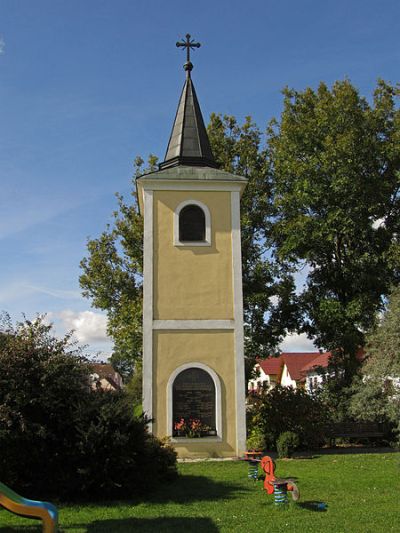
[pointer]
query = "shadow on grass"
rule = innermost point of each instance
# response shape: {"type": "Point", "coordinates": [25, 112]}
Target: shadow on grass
{"type": "Point", "coordinates": [22, 529]}
{"type": "Point", "coordinates": [150, 525]}
{"type": "Point", "coordinates": [184, 489]}
{"type": "Point", "coordinates": [314, 505]}
{"type": "Point", "coordinates": [190, 488]}
{"type": "Point", "coordinates": [343, 450]}
{"type": "Point", "coordinates": [174, 524]}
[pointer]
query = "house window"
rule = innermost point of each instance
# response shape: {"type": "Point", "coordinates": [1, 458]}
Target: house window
{"type": "Point", "coordinates": [192, 224]}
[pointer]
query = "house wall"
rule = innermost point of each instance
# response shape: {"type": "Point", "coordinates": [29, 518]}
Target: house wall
{"type": "Point", "coordinates": [263, 379]}
{"type": "Point", "coordinates": [313, 381]}
{"type": "Point", "coordinates": [286, 380]}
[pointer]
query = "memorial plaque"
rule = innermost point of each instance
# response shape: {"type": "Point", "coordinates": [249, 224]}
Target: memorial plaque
{"type": "Point", "coordinates": [194, 399]}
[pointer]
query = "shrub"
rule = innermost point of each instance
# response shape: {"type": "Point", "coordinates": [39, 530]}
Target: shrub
{"type": "Point", "coordinates": [59, 438]}
{"type": "Point", "coordinates": [287, 443]}
{"type": "Point", "coordinates": [255, 440]}
{"type": "Point", "coordinates": [115, 453]}
{"type": "Point", "coordinates": [285, 409]}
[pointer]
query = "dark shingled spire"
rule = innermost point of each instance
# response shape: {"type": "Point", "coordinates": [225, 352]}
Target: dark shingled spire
{"type": "Point", "coordinates": [188, 144]}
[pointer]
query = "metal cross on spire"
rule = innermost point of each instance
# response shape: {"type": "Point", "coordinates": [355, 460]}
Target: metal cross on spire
{"type": "Point", "coordinates": [189, 44]}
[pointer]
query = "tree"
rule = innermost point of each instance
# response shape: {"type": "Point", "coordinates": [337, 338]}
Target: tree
{"type": "Point", "coordinates": [377, 390]}
{"type": "Point", "coordinates": [335, 161]}
{"type": "Point", "coordinates": [43, 380]}
{"type": "Point", "coordinates": [55, 430]}
{"type": "Point", "coordinates": [112, 271]}
{"type": "Point", "coordinates": [322, 198]}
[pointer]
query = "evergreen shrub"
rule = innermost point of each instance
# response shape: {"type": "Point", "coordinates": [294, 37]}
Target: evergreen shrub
{"type": "Point", "coordinates": [58, 437]}
{"type": "Point", "coordinates": [287, 443]}
{"type": "Point", "coordinates": [283, 409]}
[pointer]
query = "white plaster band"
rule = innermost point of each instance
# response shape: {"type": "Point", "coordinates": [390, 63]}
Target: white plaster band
{"type": "Point", "coordinates": [193, 324]}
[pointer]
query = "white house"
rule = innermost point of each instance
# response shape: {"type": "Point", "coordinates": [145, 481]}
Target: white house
{"type": "Point", "coordinates": [290, 369]}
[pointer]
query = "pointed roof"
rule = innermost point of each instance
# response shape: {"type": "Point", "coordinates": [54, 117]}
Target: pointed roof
{"type": "Point", "coordinates": [271, 365]}
{"type": "Point", "coordinates": [188, 144]}
{"type": "Point", "coordinates": [322, 361]}
{"type": "Point", "coordinates": [297, 363]}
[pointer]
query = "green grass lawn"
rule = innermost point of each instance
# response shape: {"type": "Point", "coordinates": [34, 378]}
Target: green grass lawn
{"type": "Point", "coordinates": [361, 492]}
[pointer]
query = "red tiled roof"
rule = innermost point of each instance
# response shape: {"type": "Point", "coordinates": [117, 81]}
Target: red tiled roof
{"type": "Point", "coordinates": [295, 361]}
{"type": "Point", "coordinates": [299, 363]}
{"type": "Point", "coordinates": [321, 361]}
{"type": "Point", "coordinates": [271, 365]}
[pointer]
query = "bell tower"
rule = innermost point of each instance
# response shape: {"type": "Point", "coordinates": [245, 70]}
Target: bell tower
{"type": "Point", "coordinates": [193, 362]}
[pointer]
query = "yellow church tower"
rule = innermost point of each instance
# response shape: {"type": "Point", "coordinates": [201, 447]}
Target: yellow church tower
{"type": "Point", "coordinates": [193, 362]}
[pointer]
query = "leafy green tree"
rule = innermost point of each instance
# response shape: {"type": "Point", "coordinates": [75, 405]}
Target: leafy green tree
{"type": "Point", "coordinates": [322, 198]}
{"type": "Point", "coordinates": [269, 300]}
{"type": "Point", "coordinates": [377, 390]}
{"type": "Point", "coordinates": [335, 161]}
{"type": "Point", "coordinates": [43, 380]}
{"type": "Point", "coordinates": [112, 271]}
{"type": "Point", "coordinates": [55, 430]}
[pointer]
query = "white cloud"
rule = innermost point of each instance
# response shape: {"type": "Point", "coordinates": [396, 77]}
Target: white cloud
{"type": "Point", "coordinates": [56, 293]}
{"type": "Point", "coordinates": [297, 343]}
{"type": "Point", "coordinates": [89, 327]}
{"type": "Point", "coordinates": [16, 291]}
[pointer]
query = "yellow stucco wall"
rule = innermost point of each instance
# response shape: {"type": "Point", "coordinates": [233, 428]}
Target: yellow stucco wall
{"type": "Point", "coordinates": [192, 282]}
{"type": "Point", "coordinates": [215, 349]}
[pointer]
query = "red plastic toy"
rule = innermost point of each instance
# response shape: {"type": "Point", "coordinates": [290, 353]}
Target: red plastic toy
{"type": "Point", "coordinates": [268, 466]}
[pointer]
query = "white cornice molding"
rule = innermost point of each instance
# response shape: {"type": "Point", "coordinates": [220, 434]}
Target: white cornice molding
{"type": "Point", "coordinates": [193, 324]}
{"type": "Point", "coordinates": [183, 185]}
{"type": "Point", "coordinates": [158, 184]}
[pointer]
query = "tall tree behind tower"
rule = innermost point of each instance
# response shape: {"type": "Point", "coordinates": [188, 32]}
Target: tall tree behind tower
{"type": "Point", "coordinates": [335, 161]}
{"type": "Point", "coordinates": [323, 196]}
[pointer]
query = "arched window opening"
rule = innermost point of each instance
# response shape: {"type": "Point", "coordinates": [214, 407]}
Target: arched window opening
{"type": "Point", "coordinates": [192, 224]}
{"type": "Point", "coordinates": [194, 404]}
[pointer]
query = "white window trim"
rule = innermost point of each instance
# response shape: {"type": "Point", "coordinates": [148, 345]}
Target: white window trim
{"type": "Point", "coordinates": [207, 241]}
{"type": "Point", "coordinates": [218, 401]}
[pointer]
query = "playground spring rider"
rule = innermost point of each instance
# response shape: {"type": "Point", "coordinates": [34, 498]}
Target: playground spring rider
{"type": "Point", "coordinates": [278, 486]}
{"type": "Point", "coordinates": [253, 458]}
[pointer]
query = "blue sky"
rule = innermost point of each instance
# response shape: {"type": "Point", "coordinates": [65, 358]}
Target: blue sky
{"type": "Point", "coordinates": [85, 86]}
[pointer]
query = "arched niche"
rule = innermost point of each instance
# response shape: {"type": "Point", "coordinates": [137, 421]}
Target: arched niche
{"type": "Point", "coordinates": [192, 224]}
{"type": "Point", "coordinates": [194, 393]}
